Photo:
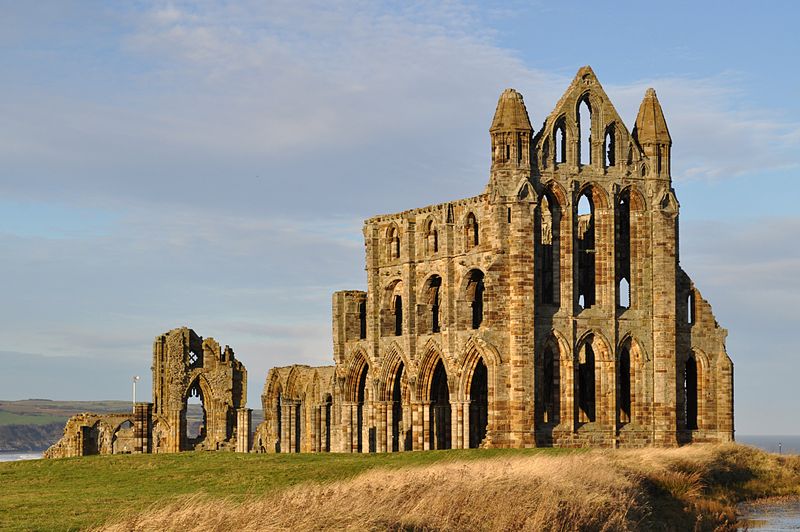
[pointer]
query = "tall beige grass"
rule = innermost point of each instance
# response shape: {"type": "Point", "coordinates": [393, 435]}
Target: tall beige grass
{"type": "Point", "coordinates": [597, 490]}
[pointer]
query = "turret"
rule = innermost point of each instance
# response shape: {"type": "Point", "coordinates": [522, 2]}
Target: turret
{"type": "Point", "coordinates": [652, 135]}
{"type": "Point", "coordinates": [511, 134]}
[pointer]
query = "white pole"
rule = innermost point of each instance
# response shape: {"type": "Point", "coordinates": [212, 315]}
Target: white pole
{"type": "Point", "coordinates": [135, 380]}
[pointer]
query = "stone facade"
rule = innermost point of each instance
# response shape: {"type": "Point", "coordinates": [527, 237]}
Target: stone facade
{"type": "Point", "coordinates": [550, 310]}
{"type": "Point", "coordinates": [184, 366]}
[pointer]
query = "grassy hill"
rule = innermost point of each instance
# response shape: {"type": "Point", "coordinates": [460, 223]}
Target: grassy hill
{"type": "Point", "coordinates": [541, 489]}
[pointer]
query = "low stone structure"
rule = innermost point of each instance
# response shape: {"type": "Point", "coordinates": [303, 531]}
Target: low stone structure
{"type": "Point", "coordinates": [185, 366]}
{"type": "Point", "coordinates": [550, 310]}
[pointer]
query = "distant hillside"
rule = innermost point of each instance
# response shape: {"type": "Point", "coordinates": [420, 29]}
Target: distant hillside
{"type": "Point", "coordinates": [36, 424]}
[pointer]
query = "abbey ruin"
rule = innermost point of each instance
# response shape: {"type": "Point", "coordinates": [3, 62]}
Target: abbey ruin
{"type": "Point", "coordinates": [185, 366]}
{"type": "Point", "coordinates": [550, 310]}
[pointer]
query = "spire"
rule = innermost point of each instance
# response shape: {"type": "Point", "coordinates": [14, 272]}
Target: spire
{"type": "Point", "coordinates": [511, 114]}
{"type": "Point", "coordinates": [652, 135]}
{"type": "Point", "coordinates": [651, 127]}
{"type": "Point", "coordinates": [511, 134]}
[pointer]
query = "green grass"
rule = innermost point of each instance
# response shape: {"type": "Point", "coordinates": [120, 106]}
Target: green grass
{"type": "Point", "coordinates": [11, 418]}
{"type": "Point", "coordinates": [76, 493]}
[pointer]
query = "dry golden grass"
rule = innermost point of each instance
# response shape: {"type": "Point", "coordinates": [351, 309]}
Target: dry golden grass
{"type": "Point", "coordinates": [651, 489]}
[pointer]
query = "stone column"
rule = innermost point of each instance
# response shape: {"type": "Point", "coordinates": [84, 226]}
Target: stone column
{"type": "Point", "coordinates": [426, 425]}
{"type": "Point", "coordinates": [244, 418]}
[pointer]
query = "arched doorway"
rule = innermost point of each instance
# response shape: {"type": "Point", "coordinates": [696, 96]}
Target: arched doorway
{"type": "Point", "coordinates": [440, 409]}
{"type": "Point", "coordinates": [397, 409]}
{"type": "Point", "coordinates": [478, 405]}
{"type": "Point", "coordinates": [195, 417]}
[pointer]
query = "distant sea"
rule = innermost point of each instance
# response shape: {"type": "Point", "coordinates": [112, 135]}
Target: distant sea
{"type": "Point", "coordinates": [772, 444]}
{"type": "Point", "coordinates": [13, 456]}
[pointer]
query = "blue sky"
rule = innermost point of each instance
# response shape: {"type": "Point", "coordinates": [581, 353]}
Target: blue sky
{"type": "Point", "coordinates": [210, 164]}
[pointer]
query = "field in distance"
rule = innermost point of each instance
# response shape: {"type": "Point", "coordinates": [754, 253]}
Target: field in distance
{"type": "Point", "coordinates": [36, 424]}
{"type": "Point", "coordinates": [443, 490]}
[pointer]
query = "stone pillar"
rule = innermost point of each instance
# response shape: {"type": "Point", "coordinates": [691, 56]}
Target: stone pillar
{"type": "Point", "coordinates": [244, 417]}
{"type": "Point", "coordinates": [142, 428]}
{"type": "Point", "coordinates": [323, 424]}
{"type": "Point", "coordinates": [465, 433]}
{"type": "Point", "coordinates": [177, 425]}
{"type": "Point", "coordinates": [426, 426]}
{"type": "Point", "coordinates": [521, 322]}
{"type": "Point", "coordinates": [346, 441]}
{"type": "Point", "coordinates": [388, 435]}
{"type": "Point", "coordinates": [665, 382]}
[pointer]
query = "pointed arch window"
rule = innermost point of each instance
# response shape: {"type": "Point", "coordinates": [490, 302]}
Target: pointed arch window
{"type": "Point", "coordinates": [622, 246]}
{"type": "Point", "coordinates": [549, 255]}
{"type": "Point", "coordinates": [560, 136]}
{"type": "Point", "coordinates": [586, 383]}
{"type": "Point", "coordinates": [624, 402]}
{"type": "Point", "coordinates": [584, 120]}
{"type": "Point", "coordinates": [585, 250]}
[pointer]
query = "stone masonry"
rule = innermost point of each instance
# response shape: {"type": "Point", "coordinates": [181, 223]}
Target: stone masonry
{"type": "Point", "coordinates": [550, 310]}
{"type": "Point", "coordinates": [184, 366]}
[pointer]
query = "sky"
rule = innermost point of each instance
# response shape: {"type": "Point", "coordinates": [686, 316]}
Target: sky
{"type": "Point", "coordinates": [210, 164]}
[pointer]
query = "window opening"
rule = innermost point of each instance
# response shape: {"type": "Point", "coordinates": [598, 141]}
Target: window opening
{"type": "Point", "coordinates": [550, 387]}
{"type": "Point", "coordinates": [398, 316]}
{"type": "Point", "coordinates": [478, 405]}
{"type": "Point", "coordinates": [548, 244]}
{"type": "Point", "coordinates": [610, 146]}
{"type": "Point", "coordinates": [585, 249]}
{"type": "Point", "coordinates": [622, 247]}
{"type": "Point", "coordinates": [586, 383]}
{"type": "Point", "coordinates": [397, 409]}
{"type": "Point", "coordinates": [362, 320]}
{"type": "Point", "coordinates": [433, 298]}
{"type": "Point", "coordinates": [195, 417]}
{"type": "Point", "coordinates": [561, 143]}
{"type": "Point", "coordinates": [439, 409]}
{"type": "Point", "coordinates": [690, 393]}
{"type": "Point", "coordinates": [475, 289]}
{"type": "Point", "coordinates": [624, 290]}
{"type": "Point", "coordinates": [585, 131]}
{"type": "Point", "coordinates": [690, 309]}
{"type": "Point", "coordinates": [624, 401]}
{"type": "Point", "coordinates": [362, 387]}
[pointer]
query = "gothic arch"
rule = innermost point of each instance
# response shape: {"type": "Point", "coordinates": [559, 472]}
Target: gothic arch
{"type": "Point", "coordinates": [596, 193]}
{"type": "Point", "coordinates": [391, 363]}
{"type": "Point", "coordinates": [430, 359]}
{"type": "Point", "coordinates": [474, 350]}
{"type": "Point", "coordinates": [358, 363]}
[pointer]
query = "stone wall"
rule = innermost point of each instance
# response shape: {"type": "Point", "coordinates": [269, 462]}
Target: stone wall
{"type": "Point", "coordinates": [549, 310]}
